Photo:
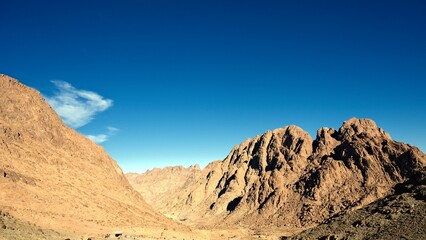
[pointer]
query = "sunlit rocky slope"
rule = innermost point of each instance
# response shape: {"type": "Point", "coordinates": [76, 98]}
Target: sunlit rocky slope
{"type": "Point", "coordinates": [55, 178]}
{"type": "Point", "coordinates": [285, 179]}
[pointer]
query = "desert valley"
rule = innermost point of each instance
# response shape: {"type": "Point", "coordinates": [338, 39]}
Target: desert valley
{"type": "Point", "coordinates": [354, 182]}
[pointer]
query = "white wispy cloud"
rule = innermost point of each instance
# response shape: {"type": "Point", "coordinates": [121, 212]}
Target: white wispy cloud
{"type": "Point", "coordinates": [112, 130]}
{"type": "Point", "coordinates": [100, 138]}
{"type": "Point", "coordinates": [77, 107]}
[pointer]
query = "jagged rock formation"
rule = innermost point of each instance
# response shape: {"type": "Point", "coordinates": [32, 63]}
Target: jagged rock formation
{"type": "Point", "coordinates": [58, 179]}
{"type": "Point", "coordinates": [287, 180]}
{"type": "Point", "coordinates": [156, 184]}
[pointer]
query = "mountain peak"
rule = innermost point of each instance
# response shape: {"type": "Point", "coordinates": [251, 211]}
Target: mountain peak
{"type": "Point", "coordinates": [362, 127]}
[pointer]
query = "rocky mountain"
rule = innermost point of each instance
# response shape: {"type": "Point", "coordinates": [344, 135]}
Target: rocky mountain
{"type": "Point", "coordinates": [287, 180]}
{"type": "Point", "coordinates": [53, 177]}
{"type": "Point", "coordinates": [158, 183]}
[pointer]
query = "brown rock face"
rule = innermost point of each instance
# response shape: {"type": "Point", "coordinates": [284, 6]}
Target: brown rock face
{"type": "Point", "coordinates": [285, 179]}
{"type": "Point", "coordinates": [57, 178]}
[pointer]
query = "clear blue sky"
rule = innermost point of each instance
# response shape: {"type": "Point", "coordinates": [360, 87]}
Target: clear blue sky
{"type": "Point", "coordinates": [182, 82]}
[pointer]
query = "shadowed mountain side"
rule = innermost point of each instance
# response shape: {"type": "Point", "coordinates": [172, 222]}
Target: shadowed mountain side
{"type": "Point", "coordinates": [284, 179]}
{"type": "Point", "coordinates": [398, 216]}
{"type": "Point", "coordinates": [59, 179]}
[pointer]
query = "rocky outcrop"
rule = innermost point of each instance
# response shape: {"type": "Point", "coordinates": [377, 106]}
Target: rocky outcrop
{"type": "Point", "coordinates": [283, 178]}
{"type": "Point", "coordinates": [57, 178]}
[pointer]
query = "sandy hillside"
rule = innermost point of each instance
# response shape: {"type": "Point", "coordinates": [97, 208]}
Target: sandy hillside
{"type": "Point", "coordinates": [56, 178]}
